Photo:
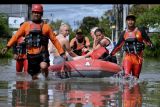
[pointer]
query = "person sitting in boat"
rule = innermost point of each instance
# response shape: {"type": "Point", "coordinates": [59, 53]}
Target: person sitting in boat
{"type": "Point", "coordinates": [103, 46]}
{"type": "Point", "coordinates": [80, 44]}
{"type": "Point", "coordinates": [63, 33]}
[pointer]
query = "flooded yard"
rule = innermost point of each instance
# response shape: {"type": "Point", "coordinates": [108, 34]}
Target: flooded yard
{"type": "Point", "coordinates": [18, 90]}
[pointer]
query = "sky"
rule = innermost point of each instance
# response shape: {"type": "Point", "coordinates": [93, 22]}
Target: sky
{"type": "Point", "coordinates": [70, 13]}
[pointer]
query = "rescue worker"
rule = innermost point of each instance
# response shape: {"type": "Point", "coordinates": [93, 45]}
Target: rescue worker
{"type": "Point", "coordinates": [132, 39]}
{"type": "Point", "coordinates": [80, 44]}
{"type": "Point", "coordinates": [19, 51]}
{"type": "Point", "coordinates": [37, 35]}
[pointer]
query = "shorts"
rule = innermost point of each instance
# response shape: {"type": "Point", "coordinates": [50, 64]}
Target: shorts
{"type": "Point", "coordinates": [58, 60]}
{"type": "Point", "coordinates": [34, 63]}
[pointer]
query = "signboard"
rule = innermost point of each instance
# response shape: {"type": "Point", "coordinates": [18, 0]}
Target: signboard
{"type": "Point", "coordinates": [14, 22]}
{"type": "Point", "coordinates": [154, 29]}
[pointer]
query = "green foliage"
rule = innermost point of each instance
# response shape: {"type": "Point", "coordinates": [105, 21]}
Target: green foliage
{"type": "Point", "coordinates": [155, 38]}
{"type": "Point", "coordinates": [55, 25]}
{"type": "Point", "coordinates": [105, 24]}
{"type": "Point", "coordinates": [9, 54]}
{"type": "Point", "coordinates": [4, 28]}
{"type": "Point", "coordinates": [88, 23]}
{"type": "Point", "coordinates": [147, 17]}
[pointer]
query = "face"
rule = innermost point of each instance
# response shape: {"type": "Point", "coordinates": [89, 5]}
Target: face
{"type": "Point", "coordinates": [92, 34]}
{"type": "Point", "coordinates": [99, 35]}
{"type": "Point", "coordinates": [79, 36]}
{"type": "Point", "coordinates": [65, 31]}
{"type": "Point", "coordinates": [130, 22]}
{"type": "Point", "coordinates": [36, 16]}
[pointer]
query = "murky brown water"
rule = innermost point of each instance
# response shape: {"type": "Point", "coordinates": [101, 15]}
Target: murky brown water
{"type": "Point", "coordinates": [20, 91]}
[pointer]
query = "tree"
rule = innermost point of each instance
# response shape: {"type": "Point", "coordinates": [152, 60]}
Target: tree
{"type": "Point", "coordinates": [88, 23]}
{"type": "Point", "coordinates": [55, 25]}
{"type": "Point", "coordinates": [105, 24]}
{"type": "Point", "coordinates": [147, 16]}
{"type": "Point", "coordinates": [4, 28]}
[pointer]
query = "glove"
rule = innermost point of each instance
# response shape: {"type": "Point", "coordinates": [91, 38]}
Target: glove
{"type": "Point", "coordinates": [63, 55]}
{"type": "Point", "coordinates": [4, 50]}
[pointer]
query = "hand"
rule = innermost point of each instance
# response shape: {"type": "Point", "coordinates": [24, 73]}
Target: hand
{"type": "Point", "coordinates": [152, 47]}
{"type": "Point", "coordinates": [4, 50]}
{"type": "Point", "coordinates": [84, 49]}
{"type": "Point", "coordinates": [63, 55]}
{"type": "Point", "coordinates": [15, 56]}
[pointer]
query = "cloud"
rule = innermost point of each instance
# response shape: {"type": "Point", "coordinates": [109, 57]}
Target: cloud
{"type": "Point", "coordinates": [74, 12]}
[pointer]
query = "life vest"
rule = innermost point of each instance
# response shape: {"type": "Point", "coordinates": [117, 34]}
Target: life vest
{"type": "Point", "coordinates": [133, 41]}
{"type": "Point", "coordinates": [97, 53]}
{"type": "Point", "coordinates": [110, 46]}
{"type": "Point", "coordinates": [35, 38]}
{"type": "Point", "coordinates": [77, 49]}
{"type": "Point", "coordinates": [21, 46]}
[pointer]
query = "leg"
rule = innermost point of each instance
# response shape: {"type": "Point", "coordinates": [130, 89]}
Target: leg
{"type": "Point", "coordinates": [25, 63]}
{"type": "Point", "coordinates": [34, 65]}
{"type": "Point", "coordinates": [19, 65]}
{"type": "Point", "coordinates": [44, 68]}
{"type": "Point", "coordinates": [127, 66]}
{"type": "Point", "coordinates": [137, 70]}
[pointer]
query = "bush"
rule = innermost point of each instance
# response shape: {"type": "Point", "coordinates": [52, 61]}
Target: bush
{"type": "Point", "coordinates": [155, 52]}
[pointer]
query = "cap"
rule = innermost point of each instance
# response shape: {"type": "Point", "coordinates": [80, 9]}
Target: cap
{"type": "Point", "coordinates": [79, 31]}
{"type": "Point", "coordinates": [132, 16]}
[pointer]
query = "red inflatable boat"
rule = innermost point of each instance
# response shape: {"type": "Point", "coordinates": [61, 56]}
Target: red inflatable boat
{"type": "Point", "coordinates": [94, 68]}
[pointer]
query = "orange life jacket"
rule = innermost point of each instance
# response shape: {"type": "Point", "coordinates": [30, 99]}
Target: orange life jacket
{"type": "Point", "coordinates": [97, 53]}
{"type": "Point", "coordinates": [133, 41]}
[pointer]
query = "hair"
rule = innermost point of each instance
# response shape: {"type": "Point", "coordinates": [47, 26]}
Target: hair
{"type": "Point", "coordinates": [21, 24]}
{"type": "Point", "coordinates": [99, 30]}
{"type": "Point", "coordinates": [93, 29]}
{"type": "Point", "coordinates": [62, 26]}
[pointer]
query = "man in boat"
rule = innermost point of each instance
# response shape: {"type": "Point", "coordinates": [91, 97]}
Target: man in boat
{"type": "Point", "coordinates": [80, 44]}
{"type": "Point", "coordinates": [132, 39]}
{"type": "Point", "coordinates": [62, 37]}
{"type": "Point", "coordinates": [36, 34]}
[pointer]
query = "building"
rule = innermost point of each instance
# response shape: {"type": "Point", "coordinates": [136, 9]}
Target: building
{"type": "Point", "coordinates": [14, 10]}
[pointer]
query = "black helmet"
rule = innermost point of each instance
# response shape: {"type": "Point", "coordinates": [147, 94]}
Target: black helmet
{"type": "Point", "coordinates": [131, 16]}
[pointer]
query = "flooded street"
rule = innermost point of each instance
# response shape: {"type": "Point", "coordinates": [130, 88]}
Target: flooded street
{"type": "Point", "coordinates": [20, 91]}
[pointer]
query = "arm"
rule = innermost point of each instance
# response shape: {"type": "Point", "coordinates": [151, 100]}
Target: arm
{"type": "Point", "coordinates": [19, 33]}
{"type": "Point", "coordinates": [119, 44]}
{"type": "Point", "coordinates": [146, 38]}
{"type": "Point", "coordinates": [95, 43]}
{"type": "Point", "coordinates": [54, 40]}
{"type": "Point", "coordinates": [72, 42]}
{"type": "Point", "coordinates": [68, 48]}
{"type": "Point", "coordinates": [87, 42]}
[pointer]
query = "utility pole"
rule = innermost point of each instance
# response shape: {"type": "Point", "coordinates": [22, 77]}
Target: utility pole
{"type": "Point", "coordinates": [125, 13]}
{"type": "Point", "coordinates": [119, 20]}
{"type": "Point", "coordinates": [29, 11]}
{"type": "Point", "coordinates": [117, 23]}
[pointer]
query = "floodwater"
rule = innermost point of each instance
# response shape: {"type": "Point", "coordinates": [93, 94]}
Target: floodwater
{"type": "Point", "coordinates": [18, 90]}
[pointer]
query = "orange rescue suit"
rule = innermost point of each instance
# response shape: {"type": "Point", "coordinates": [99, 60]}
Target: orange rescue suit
{"type": "Point", "coordinates": [46, 31]}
